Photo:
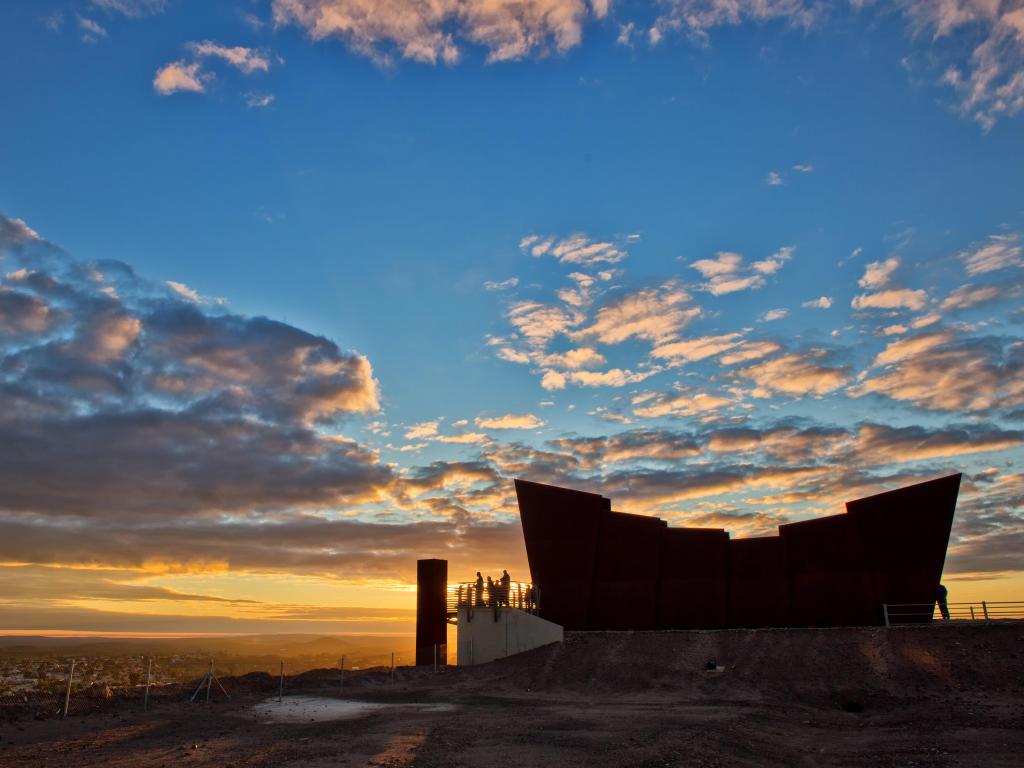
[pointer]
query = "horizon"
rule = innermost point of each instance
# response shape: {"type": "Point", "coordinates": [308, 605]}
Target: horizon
{"type": "Point", "coordinates": [291, 291]}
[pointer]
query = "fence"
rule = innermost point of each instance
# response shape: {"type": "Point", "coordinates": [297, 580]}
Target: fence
{"type": "Point", "coordinates": [50, 687]}
{"type": "Point", "coordinates": [982, 611]}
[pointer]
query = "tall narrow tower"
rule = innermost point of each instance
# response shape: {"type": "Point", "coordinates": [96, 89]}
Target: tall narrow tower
{"type": "Point", "coordinates": [431, 611]}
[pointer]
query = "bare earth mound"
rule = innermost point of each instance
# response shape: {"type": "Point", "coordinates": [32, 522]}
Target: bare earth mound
{"type": "Point", "coordinates": [924, 696]}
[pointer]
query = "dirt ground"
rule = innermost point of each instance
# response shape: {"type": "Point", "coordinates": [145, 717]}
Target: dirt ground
{"type": "Point", "coordinates": [929, 696]}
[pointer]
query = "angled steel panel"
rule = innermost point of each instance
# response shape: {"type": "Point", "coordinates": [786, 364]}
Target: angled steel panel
{"type": "Point", "coordinates": [905, 534]}
{"type": "Point", "coordinates": [561, 529]}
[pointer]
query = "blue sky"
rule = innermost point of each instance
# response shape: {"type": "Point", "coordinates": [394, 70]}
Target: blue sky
{"type": "Point", "coordinates": [729, 263]}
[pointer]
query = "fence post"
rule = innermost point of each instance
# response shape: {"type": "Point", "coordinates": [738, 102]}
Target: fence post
{"type": "Point", "coordinates": [392, 666]}
{"type": "Point", "coordinates": [209, 682]}
{"type": "Point", "coordinates": [435, 658]}
{"type": "Point", "coordinates": [280, 689]}
{"type": "Point", "coordinates": [984, 609]}
{"type": "Point", "coordinates": [149, 674]}
{"type": "Point", "coordinates": [341, 672]}
{"type": "Point", "coordinates": [67, 691]}
{"type": "Point", "coordinates": [885, 612]}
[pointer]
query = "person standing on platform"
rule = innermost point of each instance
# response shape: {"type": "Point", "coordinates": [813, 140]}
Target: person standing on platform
{"type": "Point", "coordinates": [479, 590]}
{"type": "Point", "coordinates": [941, 600]}
{"type": "Point", "coordinates": [506, 586]}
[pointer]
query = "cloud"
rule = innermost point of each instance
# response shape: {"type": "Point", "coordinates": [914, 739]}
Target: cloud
{"type": "Point", "coordinates": [878, 273]}
{"type": "Point", "coordinates": [750, 350]}
{"type": "Point", "coordinates": [540, 323]}
{"type": "Point", "coordinates": [425, 429]}
{"type": "Point", "coordinates": [184, 291]}
{"type": "Point", "coordinates": [492, 285]}
{"type": "Point", "coordinates": [53, 21]}
{"type": "Point", "coordinates": [626, 34]}
{"type": "Point", "coordinates": [574, 359]}
{"type": "Point", "coordinates": [92, 32]}
{"type": "Point", "coordinates": [132, 8]}
{"type": "Point", "coordinates": [245, 60]}
{"type": "Point", "coordinates": [938, 372]}
{"type": "Point", "coordinates": [803, 168]}
{"type": "Point", "coordinates": [257, 100]}
{"type": "Point", "coordinates": [822, 302]}
{"type": "Point", "coordinates": [464, 438]}
{"type": "Point", "coordinates": [990, 83]}
{"type": "Point", "coordinates": [578, 249]}
{"type": "Point", "coordinates": [726, 273]}
{"type": "Point", "coordinates": [183, 75]}
{"type": "Point", "coordinates": [880, 443]}
{"type": "Point", "coordinates": [652, 314]}
{"type": "Point", "coordinates": [510, 421]}
{"type": "Point", "coordinates": [651, 405]}
{"type": "Point", "coordinates": [614, 377]}
{"type": "Point", "coordinates": [180, 76]}
{"type": "Point", "coordinates": [695, 349]}
{"type": "Point", "coordinates": [984, 64]}
{"type": "Point", "coordinates": [634, 445]}
{"type": "Point", "coordinates": [774, 314]}
{"type": "Point", "coordinates": [902, 298]}
{"type": "Point", "coordinates": [794, 374]}
{"type": "Point", "coordinates": [696, 18]}
{"type": "Point", "coordinates": [435, 31]}
{"type": "Point", "coordinates": [998, 252]}
{"type": "Point", "coordinates": [967, 296]}
{"type": "Point", "coordinates": [906, 348]}
{"type": "Point", "coordinates": [15, 232]}
{"type": "Point", "coordinates": [774, 179]}
{"type": "Point", "coordinates": [139, 402]}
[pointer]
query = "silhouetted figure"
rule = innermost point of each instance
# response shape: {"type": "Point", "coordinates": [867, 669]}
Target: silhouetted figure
{"type": "Point", "coordinates": [479, 590]}
{"type": "Point", "coordinates": [941, 600]}
{"type": "Point", "coordinates": [491, 593]}
{"type": "Point", "coordinates": [506, 585]}
{"type": "Point", "coordinates": [528, 598]}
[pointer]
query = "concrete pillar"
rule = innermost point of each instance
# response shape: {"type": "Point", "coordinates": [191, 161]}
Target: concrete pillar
{"type": "Point", "coordinates": [431, 611]}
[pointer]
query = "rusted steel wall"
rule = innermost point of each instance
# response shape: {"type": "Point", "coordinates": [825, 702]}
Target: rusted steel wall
{"type": "Point", "coordinates": [625, 593]}
{"type": "Point", "coordinates": [693, 589]}
{"type": "Point", "coordinates": [758, 588]}
{"type": "Point", "coordinates": [598, 569]}
{"type": "Point", "coordinates": [828, 582]}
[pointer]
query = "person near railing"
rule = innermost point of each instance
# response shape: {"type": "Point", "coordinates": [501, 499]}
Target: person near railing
{"type": "Point", "coordinates": [506, 583]}
{"type": "Point", "coordinates": [941, 599]}
{"type": "Point", "coordinates": [491, 593]}
{"type": "Point", "coordinates": [480, 590]}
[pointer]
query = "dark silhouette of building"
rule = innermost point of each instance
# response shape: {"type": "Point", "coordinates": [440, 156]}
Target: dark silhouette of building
{"type": "Point", "coordinates": [431, 612]}
{"type": "Point", "coordinates": [598, 569]}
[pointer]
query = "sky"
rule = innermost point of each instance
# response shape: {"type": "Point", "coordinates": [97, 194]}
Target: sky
{"type": "Point", "coordinates": [290, 290]}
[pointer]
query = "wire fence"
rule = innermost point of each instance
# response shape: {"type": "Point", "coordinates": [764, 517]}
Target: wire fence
{"type": "Point", "coordinates": [52, 687]}
{"type": "Point", "coordinates": [980, 611]}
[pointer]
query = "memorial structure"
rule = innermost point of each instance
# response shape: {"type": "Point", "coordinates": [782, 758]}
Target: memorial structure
{"type": "Point", "coordinates": [595, 569]}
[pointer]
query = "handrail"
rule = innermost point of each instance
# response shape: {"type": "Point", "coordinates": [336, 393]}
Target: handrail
{"type": "Point", "coordinates": [978, 610]}
{"type": "Point", "coordinates": [521, 595]}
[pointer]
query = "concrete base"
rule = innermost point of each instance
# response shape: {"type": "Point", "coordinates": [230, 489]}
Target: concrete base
{"type": "Point", "coordinates": [485, 634]}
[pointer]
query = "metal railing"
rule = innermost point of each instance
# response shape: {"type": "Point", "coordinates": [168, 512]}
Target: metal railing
{"type": "Point", "coordinates": [521, 595]}
{"type": "Point", "coordinates": [983, 610]}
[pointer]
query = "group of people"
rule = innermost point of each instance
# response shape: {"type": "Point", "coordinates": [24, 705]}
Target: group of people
{"type": "Point", "coordinates": [494, 594]}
